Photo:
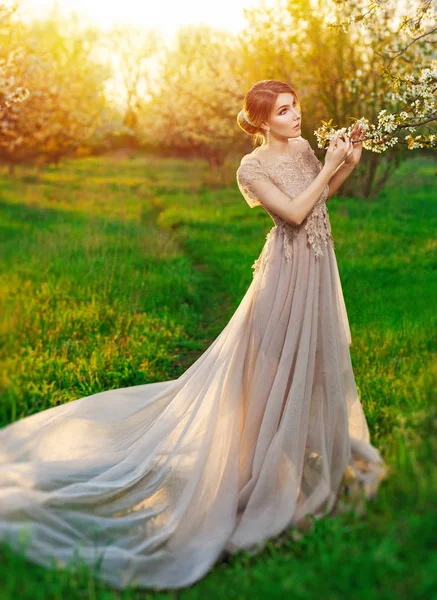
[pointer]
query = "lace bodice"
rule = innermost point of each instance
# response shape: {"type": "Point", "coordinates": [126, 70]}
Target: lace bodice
{"type": "Point", "coordinates": [292, 174]}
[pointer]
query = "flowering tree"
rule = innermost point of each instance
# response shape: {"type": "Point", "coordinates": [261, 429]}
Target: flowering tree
{"type": "Point", "coordinates": [193, 103]}
{"type": "Point", "coordinates": [133, 51]}
{"type": "Point", "coordinates": [11, 93]}
{"type": "Point", "coordinates": [406, 47]}
{"type": "Point", "coordinates": [65, 100]}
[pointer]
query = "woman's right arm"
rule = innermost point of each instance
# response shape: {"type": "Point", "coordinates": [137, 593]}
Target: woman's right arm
{"type": "Point", "coordinates": [295, 210]}
{"type": "Point", "coordinates": [292, 210]}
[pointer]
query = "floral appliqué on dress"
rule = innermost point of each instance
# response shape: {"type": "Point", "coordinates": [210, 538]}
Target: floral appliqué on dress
{"type": "Point", "coordinates": [291, 174]}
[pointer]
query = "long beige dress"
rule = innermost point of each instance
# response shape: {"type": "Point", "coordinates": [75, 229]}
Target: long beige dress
{"type": "Point", "coordinates": [154, 483]}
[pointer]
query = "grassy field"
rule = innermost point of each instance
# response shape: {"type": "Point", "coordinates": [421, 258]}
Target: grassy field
{"type": "Point", "coordinates": [117, 273]}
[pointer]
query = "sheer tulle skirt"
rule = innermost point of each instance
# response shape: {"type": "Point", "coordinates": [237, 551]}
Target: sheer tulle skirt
{"type": "Point", "coordinates": [154, 483]}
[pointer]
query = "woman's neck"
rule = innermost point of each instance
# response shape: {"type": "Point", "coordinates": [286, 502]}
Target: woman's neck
{"type": "Point", "coordinates": [277, 149]}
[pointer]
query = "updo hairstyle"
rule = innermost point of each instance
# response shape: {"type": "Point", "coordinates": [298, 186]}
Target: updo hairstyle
{"type": "Point", "coordinates": [258, 105]}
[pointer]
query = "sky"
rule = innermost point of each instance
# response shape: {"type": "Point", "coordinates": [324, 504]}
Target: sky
{"type": "Point", "coordinates": [164, 15]}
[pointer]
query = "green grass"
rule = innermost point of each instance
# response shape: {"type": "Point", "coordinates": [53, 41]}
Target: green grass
{"type": "Point", "coordinates": [122, 273]}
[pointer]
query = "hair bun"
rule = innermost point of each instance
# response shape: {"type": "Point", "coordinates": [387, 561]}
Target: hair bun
{"type": "Point", "coordinates": [245, 124]}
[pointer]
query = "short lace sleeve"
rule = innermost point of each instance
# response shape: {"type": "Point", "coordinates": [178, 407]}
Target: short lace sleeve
{"type": "Point", "coordinates": [250, 170]}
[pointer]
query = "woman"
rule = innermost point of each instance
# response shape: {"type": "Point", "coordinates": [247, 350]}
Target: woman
{"type": "Point", "coordinates": [154, 483]}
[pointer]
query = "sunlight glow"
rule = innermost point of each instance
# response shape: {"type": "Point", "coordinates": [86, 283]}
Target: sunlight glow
{"type": "Point", "coordinates": [166, 16]}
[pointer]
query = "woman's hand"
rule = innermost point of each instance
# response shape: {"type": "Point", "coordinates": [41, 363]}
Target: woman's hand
{"type": "Point", "coordinates": [356, 136]}
{"type": "Point", "coordinates": [338, 150]}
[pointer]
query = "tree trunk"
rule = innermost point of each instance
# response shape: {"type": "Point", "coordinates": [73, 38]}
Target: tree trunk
{"type": "Point", "coordinates": [371, 171]}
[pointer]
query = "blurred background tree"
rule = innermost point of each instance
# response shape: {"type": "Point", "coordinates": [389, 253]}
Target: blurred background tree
{"type": "Point", "coordinates": [193, 104]}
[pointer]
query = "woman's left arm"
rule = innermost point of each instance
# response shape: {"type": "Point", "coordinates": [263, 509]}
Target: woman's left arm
{"type": "Point", "coordinates": [350, 162]}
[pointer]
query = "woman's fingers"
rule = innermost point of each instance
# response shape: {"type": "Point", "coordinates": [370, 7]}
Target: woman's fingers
{"type": "Point", "coordinates": [345, 144]}
{"type": "Point", "coordinates": [355, 132]}
{"type": "Point", "coordinates": [342, 142]}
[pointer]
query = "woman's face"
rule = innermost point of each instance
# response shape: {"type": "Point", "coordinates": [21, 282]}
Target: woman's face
{"type": "Point", "coordinates": [285, 116]}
